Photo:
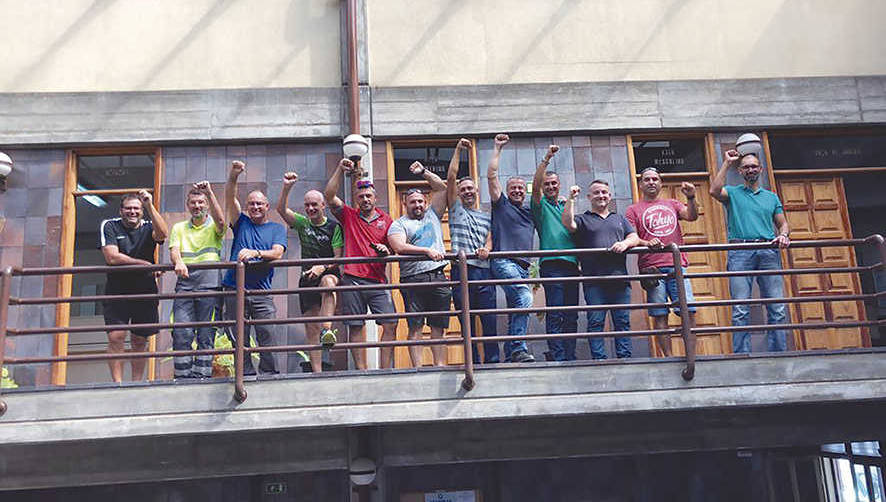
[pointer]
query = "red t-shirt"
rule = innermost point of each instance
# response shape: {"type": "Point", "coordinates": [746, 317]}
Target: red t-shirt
{"type": "Point", "coordinates": [658, 219]}
{"type": "Point", "coordinates": [359, 234]}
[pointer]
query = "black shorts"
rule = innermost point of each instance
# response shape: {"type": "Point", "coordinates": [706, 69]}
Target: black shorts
{"type": "Point", "coordinates": [429, 299]}
{"type": "Point", "coordinates": [310, 300]}
{"type": "Point", "coordinates": [132, 312]}
{"type": "Point", "coordinates": [356, 302]}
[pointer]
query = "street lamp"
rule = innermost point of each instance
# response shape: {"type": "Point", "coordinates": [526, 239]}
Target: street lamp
{"type": "Point", "coordinates": [355, 147]}
{"type": "Point", "coordinates": [749, 144]}
{"type": "Point", "coordinates": [5, 169]}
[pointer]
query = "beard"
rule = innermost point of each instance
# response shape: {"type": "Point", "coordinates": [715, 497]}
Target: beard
{"type": "Point", "coordinates": [751, 177]}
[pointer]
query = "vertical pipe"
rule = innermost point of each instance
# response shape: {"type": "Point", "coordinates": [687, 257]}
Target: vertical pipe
{"type": "Point", "coordinates": [5, 287]}
{"type": "Point", "coordinates": [353, 77]}
{"type": "Point", "coordinates": [468, 382]}
{"type": "Point", "coordinates": [239, 332]}
{"type": "Point", "coordinates": [688, 372]}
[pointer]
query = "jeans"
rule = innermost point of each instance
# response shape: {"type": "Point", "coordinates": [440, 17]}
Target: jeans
{"type": "Point", "coordinates": [667, 288]}
{"type": "Point", "coordinates": [559, 295]}
{"type": "Point", "coordinates": [480, 297]}
{"type": "Point", "coordinates": [518, 296]}
{"type": "Point", "coordinates": [193, 310]}
{"type": "Point", "coordinates": [609, 293]}
{"type": "Point", "coordinates": [771, 286]}
{"type": "Point", "coordinates": [257, 307]}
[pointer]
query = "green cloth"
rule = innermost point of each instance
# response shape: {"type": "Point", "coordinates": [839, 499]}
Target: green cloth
{"type": "Point", "coordinates": [749, 213]}
{"type": "Point", "coordinates": [197, 244]}
{"type": "Point", "coordinates": [318, 241]}
{"type": "Point", "coordinates": [551, 232]}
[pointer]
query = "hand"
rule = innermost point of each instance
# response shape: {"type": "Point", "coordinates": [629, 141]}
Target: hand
{"type": "Point", "coordinates": [553, 149]}
{"type": "Point", "coordinates": [434, 254]}
{"type": "Point", "coordinates": [619, 247]}
{"type": "Point", "coordinates": [237, 168]}
{"type": "Point", "coordinates": [483, 253]}
{"type": "Point", "coordinates": [782, 240]}
{"type": "Point", "coordinates": [346, 165]}
{"type": "Point", "coordinates": [289, 179]}
{"type": "Point", "coordinates": [157, 274]}
{"type": "Point", "coordinates": [181, 270]}
{"type": "Point", "coordinates": [688, 189]}
{"type": "Point", "coordinates": [574, 190]}
{"type": "Point", "coordinates": [146, 197]}
{"type": "Point", "coordinates": [501, 140]}
{"type": "Point", "coordinates": [731, 156]}
{"type": "Point", "coordinates": [316, 271]}
{"type": "Point", "coordinates": [203, 186]}
{"type": "Point", "coordinates": [464, 144]}
{"type": "Point", "coordinates": [654, 243]}
{"type": "Point", "coordinates": [416, 168]}
{"type": "Point", "coordinates": [381, 249]}
{"type": "Point", "coordinates": [246, 255]}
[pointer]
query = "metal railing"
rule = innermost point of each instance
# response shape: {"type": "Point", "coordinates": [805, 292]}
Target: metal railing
{"type": "Point", "coordinates": [239, 323]}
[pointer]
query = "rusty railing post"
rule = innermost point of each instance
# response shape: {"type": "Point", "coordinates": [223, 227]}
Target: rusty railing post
{"type": "Point", "coordinates": [688, 372]}
{"type": "Point", "coordinates": [5, 287]}
{"type": "Point", "coordinates": [468, 382]}
{"type": "Point", "coordinates": [239, 331]}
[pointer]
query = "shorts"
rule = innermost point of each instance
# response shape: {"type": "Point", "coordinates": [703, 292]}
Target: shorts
{"type": "Point", "coordinates": [132, 312]}
{"type": "Point", "coordinates": [427, 299]}
{"type": "Point", "coordinates": [668, 288]}
{"type": "Point", "coordinates": [356, 302]}
{"type": "Point", "coordinates": [311, 299]}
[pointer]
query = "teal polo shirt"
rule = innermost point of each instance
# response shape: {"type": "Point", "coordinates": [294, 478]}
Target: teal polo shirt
{"type": "Point", "coordinates": [749, 213]}
{"type": "Point", "coordinates": [551, 232]}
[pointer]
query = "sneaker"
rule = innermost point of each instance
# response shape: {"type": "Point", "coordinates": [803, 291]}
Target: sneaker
{"type": "Point", "coordinates": [522, 357]}
{"type": "Point", "coordinates": [327, 338]}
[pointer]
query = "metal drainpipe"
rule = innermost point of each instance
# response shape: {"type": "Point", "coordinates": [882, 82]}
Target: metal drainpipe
{"type": "Point", "coordinates": [353, 76]}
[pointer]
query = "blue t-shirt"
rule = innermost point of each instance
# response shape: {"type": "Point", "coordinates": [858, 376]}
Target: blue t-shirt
{"type": "Point", "coordinates": [749, 214]}
{"type": "Point", "coordinates": [595, 231]}
{"type": "Point", "coordinates": [512, 227]}
{"type": "Point", "coordinates": [262, 237]}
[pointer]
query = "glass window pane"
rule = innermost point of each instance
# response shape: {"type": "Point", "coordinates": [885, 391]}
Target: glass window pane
{"type": "Point", "coordinates": [102, 172]}
{"type": "Point", "coordinates": [670, 156]}
{"type": "Point", "coordinates": [867, 448]}
{"type": "Point", "coordinates": [861, 483]}
{"type": "Point", "coordinates": [828, 152]}
{"type": "Point", "coordinates": [835, 448]}
{"type": "Point", "coordinates": [845, 484]}
{"type": "Point", "coordinates": [434, 158]}
{"type": "Point", "coordinates": [877, 481]}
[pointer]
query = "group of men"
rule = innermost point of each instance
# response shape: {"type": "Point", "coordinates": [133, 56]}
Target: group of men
{"type": "Point", "coordinates": [367, 231]}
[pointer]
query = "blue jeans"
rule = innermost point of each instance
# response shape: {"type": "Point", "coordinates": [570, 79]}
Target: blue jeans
{"type": "Point", "coordinates": [518, 296]}
{"type": "Point", "coordinates": [667, 288]}
{"type": "Point", "coordinates": [193, 310]}
{"type": "Point", "coordinates": [609, 293]}
{"type": "Point", "coordinates": [481, 297]}
{"type": "Point", "coordinates": [771, 286]}
{"type": "Point", "coordinates": [559, 295]}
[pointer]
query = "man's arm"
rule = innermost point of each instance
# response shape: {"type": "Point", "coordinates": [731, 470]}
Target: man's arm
{"type": "Point", "coordinates": [287, 214]}
{"type": "Point", "coordinates": [232, 205]}
{"type": "Point", "coordinates": [215, 209]}
{"type": "Point", "coordinates": [438, 187]}
{"type": "Point", "coordinates": [247, 255]}
{"type": "Point", "coordinates": [483, 253]}
{"type": "Point", "coordinates": [331, 191]}
{"type": "Point", "coordinates": [718, 182]}
{"type": "Point", "coordinates": [492, 173]}
{"type": "Point", "coordinates": [398, 243]}
{"type": "Point", "coordinates": [159, 229]}
{"type": "Point", "coordinates": [113, 256]}
{"type": "Point", "coordinates": [568, 216]}
{"type": "Point", "coordinates": [452, 173]}
{"type": "Point", "coordinates": [539, 179]}
{"type": "Point", "coordinates": [690, 211]}
{"type": "Point", "coordinates": [783, 238]}
{"type": "Point", "coordinates": [181, 269]}
{"type": "Point", "coordinates": [632, 240]}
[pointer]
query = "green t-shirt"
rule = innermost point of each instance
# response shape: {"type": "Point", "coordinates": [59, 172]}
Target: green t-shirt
{"type": "Point", "coordinates": [551, 232]}
{"type": "Point", "coordinates": [318, 241]}
{"type": "Point", "coordinates": [749, 214]}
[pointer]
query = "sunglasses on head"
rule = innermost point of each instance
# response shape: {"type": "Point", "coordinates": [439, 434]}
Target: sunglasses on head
{"type": "Point", "coordinates": [412, 191]}
{"type": "Point", "coordinates": [365, 184]}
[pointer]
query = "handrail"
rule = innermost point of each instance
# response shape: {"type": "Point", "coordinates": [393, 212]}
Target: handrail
{"type": "Point", "coordinates": [467, 341]}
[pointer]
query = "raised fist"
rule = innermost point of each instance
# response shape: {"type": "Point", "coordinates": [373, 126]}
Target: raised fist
{"type": "Point", "coordinates": [416, 168]}
{"type": "Point", "coordinates": [145, 196]}
{"type": "Point", "coordinates": [574, 190]}
{"type": "Point", "coordinates": [464, 144]}
{"type": "Point", "coordinates": [731, 156]}
{"type": "Point", "coordinates": [688, 189]}
{"type": "Point", "coordinates": [203, 186]}
{"type": "Point", "coordinates": [289, 178]}
{"type": "Point", "coordinates": [501, 140]}
{"type": "Point", "coordinates": [552, 149]}
{"type": "Point", "coordinates": [346, 165]}
{"type": "Point", "coordinates": [237, 167]}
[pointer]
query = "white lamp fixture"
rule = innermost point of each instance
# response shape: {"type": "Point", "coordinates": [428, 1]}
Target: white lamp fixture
{"type": "Point", "coordinates": [5, 168]}
{"type": "Point", "coordinates": [749, 143]}
{"type": "Point", "coordinates": [355, 147]}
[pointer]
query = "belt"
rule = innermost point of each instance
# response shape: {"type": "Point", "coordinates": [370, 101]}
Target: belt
{"type": "Point", "coordinates": [744, 241]}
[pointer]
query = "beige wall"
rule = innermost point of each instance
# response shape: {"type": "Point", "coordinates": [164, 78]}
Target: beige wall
{"type": "Point", "coordinates": [128, 45]}
{"type": "Point", "coordinates": [446, 42]}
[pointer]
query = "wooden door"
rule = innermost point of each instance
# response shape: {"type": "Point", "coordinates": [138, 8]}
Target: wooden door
{"type": "Point", "coordinates": [816, 209]}
{"type": "Point", "coordinates": [455, 352]}
{"type": "Point", "coordinates": [707, 229]}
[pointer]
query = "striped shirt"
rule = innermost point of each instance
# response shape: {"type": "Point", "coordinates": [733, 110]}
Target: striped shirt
{"type": "Point", "coordinates": [468, 229]}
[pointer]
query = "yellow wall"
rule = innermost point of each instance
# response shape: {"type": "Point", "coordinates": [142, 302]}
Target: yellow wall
{"type": "Point", "coordinates": [451, 42]}
{"type": "Point", "coordinates": [133, 45]}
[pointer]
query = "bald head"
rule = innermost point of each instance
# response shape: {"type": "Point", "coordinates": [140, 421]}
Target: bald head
{"type": "Point", "coordinates": [315, 204]}
{"type": "Point", "coordinates": [257, 207]}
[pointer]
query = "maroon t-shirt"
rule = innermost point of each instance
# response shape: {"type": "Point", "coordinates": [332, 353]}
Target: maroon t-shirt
{"type": "Point", "coordinates": [658, 219]}
{"type": "Point", "coordinates": [359, 234]}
